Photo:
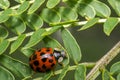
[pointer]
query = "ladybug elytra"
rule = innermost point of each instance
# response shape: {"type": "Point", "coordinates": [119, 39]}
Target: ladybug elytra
{"type": "Point", "coordinates": [45, 59]}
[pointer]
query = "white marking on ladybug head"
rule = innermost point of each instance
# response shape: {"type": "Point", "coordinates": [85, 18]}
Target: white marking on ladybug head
{"type": "Point", "coordinates": [57, 49]}
{"type": "Point", "coordinates": [60, 59]}
{"type": "Point", "coordinates": [63, 53]}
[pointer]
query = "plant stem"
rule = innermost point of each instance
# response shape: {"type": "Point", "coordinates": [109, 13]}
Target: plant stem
{"type": "Point", "coordinates": [75, 23]}
{"type": "Point", "coordinates": [65, 24]}
{"type": "Point", "coordinates": [87, 64]}
{"type": "Point", "coordinates": [104, 61]}
{"type": "Point", "coordinates": [14, 38]}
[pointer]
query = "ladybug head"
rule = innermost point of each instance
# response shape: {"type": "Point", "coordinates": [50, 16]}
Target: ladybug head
{"type": "Point", "coordinates": [59, 55]}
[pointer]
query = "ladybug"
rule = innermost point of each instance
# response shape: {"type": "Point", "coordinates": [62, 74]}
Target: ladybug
{"type": "Point", "coordinates": [45, 59]}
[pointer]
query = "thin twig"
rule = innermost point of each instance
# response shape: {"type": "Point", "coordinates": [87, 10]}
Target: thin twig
{"type": "Point", "coordinates": [87, 64]}
{"type": "Point", "coordinates": [14, 38]}
{"type": "Point", "coordinates": [104, 61]}
{"type": "Point", "coordinates": [76, 23]}
{"type": "Point", "coordinates": [64, 24]}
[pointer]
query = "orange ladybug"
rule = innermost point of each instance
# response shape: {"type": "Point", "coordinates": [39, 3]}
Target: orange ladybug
{"type": "Point", "coordinates": [45, 59]}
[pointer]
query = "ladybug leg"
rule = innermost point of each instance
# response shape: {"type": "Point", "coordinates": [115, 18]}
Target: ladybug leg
{"type": "Point", "coordinates": [60, 61]}
{"type": "Point", "coordinates": [61, 64]}
{"type": "Point", "coordinates": [33, 74]}
{"type": "Point", "coordinates": [53, 71]}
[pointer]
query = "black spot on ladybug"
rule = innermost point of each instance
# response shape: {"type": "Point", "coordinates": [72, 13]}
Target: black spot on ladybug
{"type": "Point", "coordinates": [34, 57]}
{"type": "Point", "coordinates": [51, 55]}
{"type": "Point", "coordinates": [43, 66]}
{"type": "Point", "coordinates": [47, 50]}
{"type": "Point", "coordinates": [42, 53]}
{"type": "Point", "coordinates": [38, 69]}
{"type": "Point", "coordinates": [50, 60]}
{"type": "Point", "coordinates": [52, 65]}
{"type": "Point", "coordinates": [36, 63]}
{"type": "Point", "coordinates": [39, 50]}
{"type": "Point", "coordinates": [30, 59]}
{"type": "Point", "coordinates": [31, 66]}
{"type": "Point", "coordinates": [44, 59]}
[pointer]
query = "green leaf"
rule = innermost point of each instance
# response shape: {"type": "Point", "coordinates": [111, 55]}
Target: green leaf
{"type": "Point", "coordinates": [20, 1]}
{"type": "Point", "coordinates": [115, 5]}
{"type": "Point", "coordinates": [71, 14]}
{"type": "Point", "coordinates": [63, 73]}
{"type": "Point", "coordinates": [35, 6]}
{"type": "Point", "coordinates": [33, 20]}
{"type": "Point", "coordinates": [50, 16]}
{"type": "Point", "coordinates": [52, 3]}
{"type": "Point", "coordinates": [109, 25]}
{"type": "Point", "coordinates": [115, 68]}
{"type": "Point", "coordinates": [71, 46]}
{"type": "Point", "coordinates": [102, 9]}
{"type": "Point", "coordinates": [23, 7]}
{"type": "Point", "coordinates": [90, 23]}
{"type": "Point", "coordinates": [106, 75]}
{"type": "Point", "coordinates": [38, 78]}
{"type": "Point", "coordinates": [80, 72]}
{"type": "Point", "coordinates": [50, 42]}
{"type": "Point", "coordinates": [47, 76]}
{"type": "Point", "coordinates": [4, 16]}
{"type": "Point", "coordinates": [5, 74]}
{"type": "Point", "coordinates": [118, 76]}
{"type": "Point", "coordinates": [17, 67]}
{"type": "Point", "coordinates": [35, 38]}
{"type": "Point", "coordinates": [16, 24]}
{"type": "Point", "coordinates": [17, 43]}
{"type": "Point", "coordinates": [112, 78]}
{"type": "Point", "coordinates": [3, 46]}
{"type": "Point", "coordinates": [27, 52]}
{"type": "Point", "coordinates": [3, 32]}
{"type": "Point", "coordinates": [73, 3]}
{"type": "Point", "coordinates": [51, 30]}
{"type": "Point", "coordinates": [64, 23]}
{"type": "Point", "coordinates": [64, 0]}
{"type": "Point", "coordinates": [86, 10]}
{"type": "Point", "coordinates": [4, 4]}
